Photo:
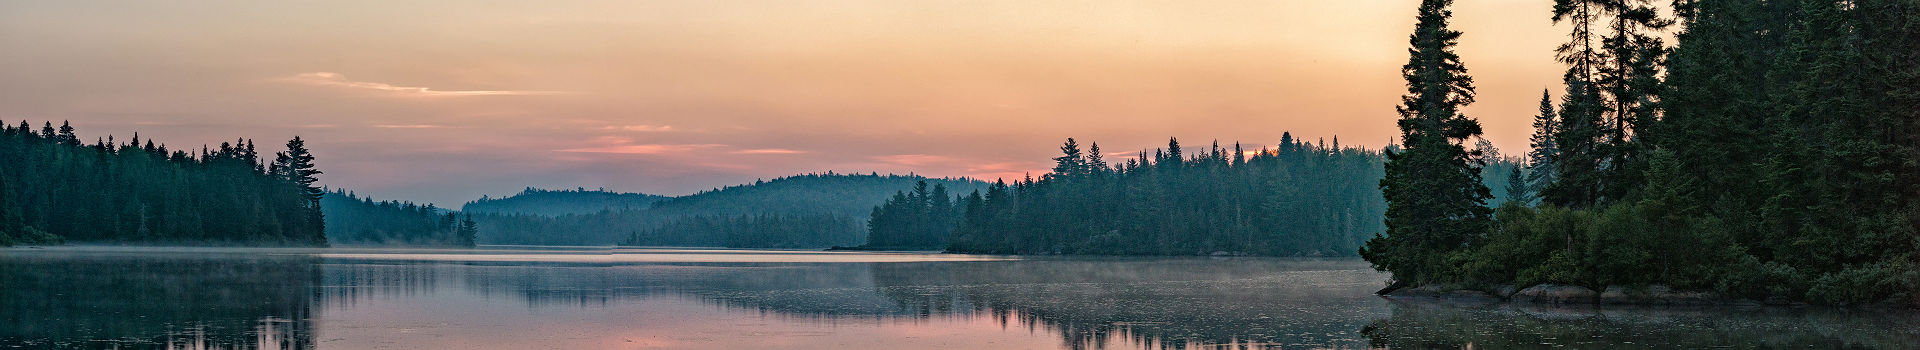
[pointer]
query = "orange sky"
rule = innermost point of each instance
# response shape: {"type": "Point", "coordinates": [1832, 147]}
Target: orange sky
{"type": "Point", "coordinates": [443, 101]}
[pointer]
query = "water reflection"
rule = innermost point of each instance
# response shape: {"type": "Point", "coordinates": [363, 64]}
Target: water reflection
{"type": "Point", "coordinates": [174, 302]}
{"type": "Point", "coordinates": [437, 299]}
{"type": "Point", "coordinates": [1431, 324]}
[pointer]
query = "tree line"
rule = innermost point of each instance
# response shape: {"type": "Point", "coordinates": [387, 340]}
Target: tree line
{"type": "Point", "coordinates": [1771, 153]}
{"type": "Point", "coordinates": [55, 187]}
{"type": "Point", "coordinates": [921, 219]}
{"type": "Point", "coordinates": [352, 219]}
{"type": "Point", "coordinates": [752, 231]}
{"type": "Point", "coordinates": [561, 202]}
{"type": "Point", "coordinates": [817, 197]}
{"type": "Point", "coordinates": [1298, 198]}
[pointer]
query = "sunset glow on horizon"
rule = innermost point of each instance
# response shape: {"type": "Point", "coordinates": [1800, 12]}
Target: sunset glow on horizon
{"type": "Point", "coordinates": [445, 101]}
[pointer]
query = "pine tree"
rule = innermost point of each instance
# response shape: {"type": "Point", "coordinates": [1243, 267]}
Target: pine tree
{"type": "Point", "coordinates": [1435, 197]}
{"type": "Point", "coordinates": [467, 232]}
{"type": "Point", "coordinates": [1540, 158]}
{"type": "Point", "coordinates": [1633, 84]}
{"type": "Point", "coordinates": [1517, 189]}
{"type": "Point", "coordinates": [295, 166]}
{"type": "Point", "coordinates": [67, 135]}
{"type": "Point", "coordinates": [1070, 163]}
{"type": "Point", "coordinates": [1096, 164]}
{"type": "Point", "coordinates": [1582, 162]}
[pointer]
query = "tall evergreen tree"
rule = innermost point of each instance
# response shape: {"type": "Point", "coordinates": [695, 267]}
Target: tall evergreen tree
{"type": "Point", "coordinates": [1582, 162]}
{"type": "Point", "coordinates": [1517, 189]}
{"type": "Point", "coordinates": [1071, 163]}
{"type": "Point", "coordinates": [467, 231]}
{"type": "Point", "coordinates": [1540, 159]}
{"type": "Point", "coordinates": [1435, 197]}
{"type": "Point", "coordinates": [1096, 163]}
{"type": "Point", "coordinates": [295, 165]}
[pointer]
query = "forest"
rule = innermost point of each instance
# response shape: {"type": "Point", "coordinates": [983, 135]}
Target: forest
{"type": "Point", "coordinates": [1297, 198]}
{"type": "Point", "coordinates": [352, 219]}
{"type": "Point", "coordinates": [56, 188]}
{"type": "Point", "coordinates": [1771, 153]}
{"type": "Point", "coordinates": [561, 202]}
{"type": "Point", "coordinates": [732, 211]}
{"type": "Point", "coordinates": [752, 231]}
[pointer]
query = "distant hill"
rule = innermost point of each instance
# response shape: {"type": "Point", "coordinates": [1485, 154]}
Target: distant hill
{"type": "Point", "coordinates": [828, 193]}
{"type": "Point", "coordinates": [352, 219]}
{"type": "Point", "coordinates": [851, 197]}
{"type": "Point", "coordinates": [533, 201]}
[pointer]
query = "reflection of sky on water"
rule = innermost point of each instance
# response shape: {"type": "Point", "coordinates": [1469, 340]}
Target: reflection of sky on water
{"type": "Point", "coordinates": [714, 299]}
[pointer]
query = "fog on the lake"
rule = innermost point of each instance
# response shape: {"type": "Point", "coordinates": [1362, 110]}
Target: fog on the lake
{"type": "Point", "coordinates": [685, 298]}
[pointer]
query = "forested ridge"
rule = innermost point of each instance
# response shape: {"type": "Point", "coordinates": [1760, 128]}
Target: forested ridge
{"type": "Point", "coordinates": [708, 217]}
{"type": "Point", "coordinates": [752, 231]}
{"type": "Point", "coordinates": [1772, 153]}
{"type": "Point", "coordinates": [55, 187]}
{"type": "Point", "coordinates": [1297, 198]}
{"type": "Point", "coordinates": [561, 202]}
{"type": "Point", "coordinates": [352, 219]}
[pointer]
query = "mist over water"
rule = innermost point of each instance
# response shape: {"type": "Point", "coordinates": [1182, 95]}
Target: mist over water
{"type": "Point", "coordinates": [518, 298]}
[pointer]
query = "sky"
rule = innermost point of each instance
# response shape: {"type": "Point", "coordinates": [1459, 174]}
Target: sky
{"type": "Point", "coordinates": [444, 101]}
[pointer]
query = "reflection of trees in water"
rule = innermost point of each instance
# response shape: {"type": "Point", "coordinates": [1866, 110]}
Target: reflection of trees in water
{"type": "Point", "coordinates": [134, 301]}
{"type": "Point", "coordinates": [1437, 324]}
{"type": "Point", "coordinates": [726, 284]}
{"type": "Point", "coordinates": [1170, 303]}
{"type": "Point", "coordinates": [344, 283]}
{"type": "Point", "coordinates": [167, 301]}
{"type": "Point", "coordinates": [1163, 303]}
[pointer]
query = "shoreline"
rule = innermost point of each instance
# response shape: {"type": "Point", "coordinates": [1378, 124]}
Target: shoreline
{"type": "Point", "coordinates": [1617, 295]}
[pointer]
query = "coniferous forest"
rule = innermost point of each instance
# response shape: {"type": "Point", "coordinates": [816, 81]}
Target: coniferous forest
{"type": "Point", "coordinates": [1771, 153]}
{"type": "Point", "coordinates": [561, 202]}
{"type": "Point", "coordinates": [352, 219]}
{"type": "Point", "coordinates": [55, 187]}
{"type": "Point", "coordinates": [1297, 199]}
{"type": "Point", "coordinates": [718, 216]}
{"type": "Point", "coordinates": [751, 231]}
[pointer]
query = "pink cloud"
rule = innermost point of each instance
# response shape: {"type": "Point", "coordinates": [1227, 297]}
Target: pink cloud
{"type": "Point", "coordinates": [336, 80]}
{"type": "Point", "coordinates": [621, 145]}
{"type": "Point", "coordinates": [913, 159]}
{"type": "Point", "coordinates": [641, 128]}
{"type": "Point", "coordinates": [769, 151]}
{"type": "Point", "coordinates": [408, 126]}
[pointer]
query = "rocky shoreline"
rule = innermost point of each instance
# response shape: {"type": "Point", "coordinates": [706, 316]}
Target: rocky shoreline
{"type": "Point", "coordinates": [1556, 294]}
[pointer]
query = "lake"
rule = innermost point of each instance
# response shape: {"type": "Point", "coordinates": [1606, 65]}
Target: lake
{"type": "Point", "coordinates": [599, 298]}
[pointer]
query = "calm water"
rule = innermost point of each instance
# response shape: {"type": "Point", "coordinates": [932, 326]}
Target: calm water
{"type": "Point", "coordinates": [561, 298]}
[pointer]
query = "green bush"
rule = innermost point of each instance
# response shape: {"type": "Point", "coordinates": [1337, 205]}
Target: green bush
{"type": "Point", "coordinates": [27, 235]}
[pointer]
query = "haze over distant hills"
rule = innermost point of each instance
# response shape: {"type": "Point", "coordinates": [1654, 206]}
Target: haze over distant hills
{"type": "Point", "coordinates": [561, 217]}
{"type": "Point", "coordinates": [561, 202]}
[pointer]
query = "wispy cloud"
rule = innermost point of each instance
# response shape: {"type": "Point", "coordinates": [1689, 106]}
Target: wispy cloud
{"type": "Point", "coordinates": [621, 145]}
{"type": "Point", "coordinates": [409, 126]}
{"type": "Point", "coordinates": [642, 128]}
{"type": "Point", "coordinates": [769, 151]}
{"type": "Point", "coordinates": [913, 159]}
{"type": "Point", "coordinates": [336, 80]}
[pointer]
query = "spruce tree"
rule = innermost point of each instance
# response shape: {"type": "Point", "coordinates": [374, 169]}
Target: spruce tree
{"type": "Point", "coordinates": [1582, 162]}
{"type": "Point", "coordinates": [1070, 163]}
{"type": "Point", "coordinates": [1435, 198]}
{"type": "Point", "coordinates": [1517, 189]}
{"type": "Point", "coordinates": [1540, 158]}
{"type": "Point", "coordinates": [295, 166]}
{"type": "Point", "coordinates": [467, 232]}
